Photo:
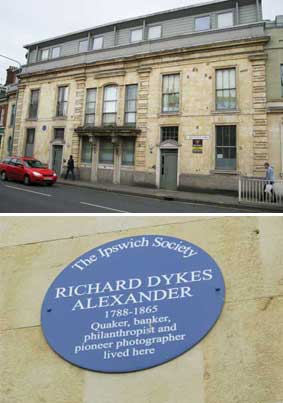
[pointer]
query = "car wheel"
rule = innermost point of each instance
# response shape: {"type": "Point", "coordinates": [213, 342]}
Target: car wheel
{"type": "Point", "coordinates": [4, 176]}
{"type": "Point", "coordinates": [27, 180]}
{"type": "Point", "coordinates": [49, 184]}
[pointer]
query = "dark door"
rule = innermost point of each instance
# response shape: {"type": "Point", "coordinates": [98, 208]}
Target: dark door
{"type": "Point", "coordinates": [57, 159]}
{"type": "Point", "coordinates": [169, 163]}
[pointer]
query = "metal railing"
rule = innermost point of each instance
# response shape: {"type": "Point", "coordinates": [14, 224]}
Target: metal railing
{"type": "Point", "coordinates": [256, 191]}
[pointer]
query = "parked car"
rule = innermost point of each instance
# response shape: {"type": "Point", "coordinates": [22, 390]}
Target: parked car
{"type": "Point", "coordinates": [27, 170]}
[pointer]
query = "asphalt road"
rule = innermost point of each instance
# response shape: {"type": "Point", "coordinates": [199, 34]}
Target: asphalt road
{"type": "Point", "coordinates": [18, 198]}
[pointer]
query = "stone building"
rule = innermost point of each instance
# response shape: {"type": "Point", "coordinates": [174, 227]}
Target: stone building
{"type": "Point", "coordinates": [8, 100]}
{"type": "Point", "coordinates": [173, 100]}
{"type": "Point", "coordinates": [240, 360]}
{"type": "Point", "coordinates": [274, 65]}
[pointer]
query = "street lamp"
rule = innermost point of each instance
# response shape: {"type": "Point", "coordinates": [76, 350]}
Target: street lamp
{"type": "Point", "coordinates": [16, 106]}
{"type": "Point", "coordinates": [13, 60]}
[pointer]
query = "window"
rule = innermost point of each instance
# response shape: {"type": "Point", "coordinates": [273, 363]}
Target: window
{"type": "Point", "coordinates": [97, 43]}
{"type": "Point", "coordinates": [33, 106]}
{"type": "Point", "coordinates": [10, 145]}
{"type": "Point", "coordinates": [62, 104]}
{"type": "Point", "coordinates": [83, 46]}
{"type": "Point", "coordinates": [59, 134]}
{"type": "Point", "coordinates": [106, 151]}
{"type": "Point", "coordinates": [128, 151]}
{"type": "Point", "coordinates": [55, 52]}
{"type": "Point", "coordinates": [281, 73]}
{"type": "Point", "coordinates": [202, 23]}
{"type": "Point", "coordinates": [13, 116]}
{"type": "Point", "coordinates": [136, 35]}
{"type": "Point", "coordinates": [154, 32]}
{"type": "Point", "coordinates": [226, 89]}
{"type": "Point", "coordinates": [29, 143]}
{"type": "Point", "coordinates": [90, 107]}
{"type": "Point", "coordinates": [226, 149]}
{"type": "Point", "coordinates": [44, 54]}
{"type": "Point", "coordinates": [86, 155]}
{"type": "Point", "coordinates": [131, 105]}
{"type": "Point", "coordinates": [110, 105]}
{"type": "Point", "coordinates": [171, 93]}
{"type": "Point", "coordinates": [169, 133]}
{"type": "Point", "coordinates": [225, 20]}
{"type": "Point", "coordinates": [2, 111]}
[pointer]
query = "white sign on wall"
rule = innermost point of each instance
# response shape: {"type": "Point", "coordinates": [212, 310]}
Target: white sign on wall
{"type": "Point", "coordinates": [189, 137]}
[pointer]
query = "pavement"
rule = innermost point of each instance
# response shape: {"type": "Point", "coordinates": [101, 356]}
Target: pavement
{"type": "Point", "coordinates": [215, 199]}
{"type": "Point", "coordinates": [73, 197]}
{"type": "Point", "coordinates": [88, 198]}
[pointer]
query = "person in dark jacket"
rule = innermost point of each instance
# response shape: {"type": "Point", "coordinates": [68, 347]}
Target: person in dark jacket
{"type": "Point", "coordinates": [70, 167]}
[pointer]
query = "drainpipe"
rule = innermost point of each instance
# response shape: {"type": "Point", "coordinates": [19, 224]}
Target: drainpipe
{"type": "Point", "coordinates": [281, 151]}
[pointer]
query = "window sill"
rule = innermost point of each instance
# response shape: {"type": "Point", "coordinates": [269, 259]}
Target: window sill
{"type": "Point", "coordinates": [60, 117]}
{"type": "Point", "coordinates": [169, 114]}
{"type": "Point", "coordinates": [128, 167]}
{"type": "Point", "coordinates": [223, 172]}
{"type": "Point", "coordinates": [102, 165]}
{"type": "Point", "coordinates": [226, 112]}
{"type": "Point", "coordinates": [31, 119]}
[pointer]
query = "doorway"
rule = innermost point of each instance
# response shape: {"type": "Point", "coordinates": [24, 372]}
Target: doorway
{"type": "Point", "coordinates": [57, 154]}
{"type": "Point", "coordinates": [169, 169]}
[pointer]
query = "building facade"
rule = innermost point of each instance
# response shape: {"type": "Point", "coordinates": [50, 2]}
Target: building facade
{"type": "Point", "coordinates": [8, 103]}
{"type": "Point", "coordinates": [274, 65]}
{"type": "Point", "coordinates": [240, 360]}
{"type": "Point", "coordinates": [170, 100]}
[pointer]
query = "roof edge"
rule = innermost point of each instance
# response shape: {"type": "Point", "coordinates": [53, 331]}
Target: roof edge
{"type": "Point", "coordinates": [207, 3]}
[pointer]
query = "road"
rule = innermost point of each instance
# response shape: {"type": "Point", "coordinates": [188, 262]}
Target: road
{"type": "Point", "coordinates": [18, 198]}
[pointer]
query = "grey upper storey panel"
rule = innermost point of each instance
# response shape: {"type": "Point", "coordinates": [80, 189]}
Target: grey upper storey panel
{"type": "Point", "coordinates": [185, 41]}
{"type": "Point", "coordinates": [172, 24]}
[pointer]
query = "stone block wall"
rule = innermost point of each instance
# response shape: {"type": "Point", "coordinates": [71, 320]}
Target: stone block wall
{"type": "Point", "coordinates": [239, 361]}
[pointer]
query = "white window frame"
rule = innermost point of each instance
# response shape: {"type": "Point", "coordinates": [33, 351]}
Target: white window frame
{"type": "Point", "coordinates": [136, 30]}
{"type": "Point", "coordinates": [96, 38]}
{"type": "Point", "coordinates": [155, 37]}
{"type": "Point", "coordinates": [81, 41]}
{"type": "Point", "coordinates": [199, 18]}
{"type": "Point", "coordinates": [41, 54]}
{"type": "Point", "coordinates": [225, 13]}
{"type": "Point", "coordinates": [55, 47]}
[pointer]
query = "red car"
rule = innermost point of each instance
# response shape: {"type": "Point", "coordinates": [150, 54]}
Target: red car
{"type": "Point", "coordinates": [27, 170]}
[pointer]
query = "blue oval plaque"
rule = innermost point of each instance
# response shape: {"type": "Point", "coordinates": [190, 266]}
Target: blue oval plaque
{"type": "Point", "coordinates": [133, 303]}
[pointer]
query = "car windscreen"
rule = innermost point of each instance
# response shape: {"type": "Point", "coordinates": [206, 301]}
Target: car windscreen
{"type": "Point", "coordinates": [34, 164]}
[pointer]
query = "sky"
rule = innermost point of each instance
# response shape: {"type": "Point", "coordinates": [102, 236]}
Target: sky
{"type": "Point", "coordinates": [28, 21]}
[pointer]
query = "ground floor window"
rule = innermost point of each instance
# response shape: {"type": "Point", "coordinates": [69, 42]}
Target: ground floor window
{"type": "Point", "coordinates": [106, 151]}
{"type": "Point", "coordinates": [30, 143]}
{"type": "Point", "coordinates": [10, 145]}
{"type": "Point", "coordinates": [169, 133]}
{"type": "Point", "coordinates": [128, 151]}
{"type": "Point", "coordinates": [226, 148]}
{"type": "Point", "coordinates": [86, 155]}
{"type": "Point", "coordinates": [59, 134]}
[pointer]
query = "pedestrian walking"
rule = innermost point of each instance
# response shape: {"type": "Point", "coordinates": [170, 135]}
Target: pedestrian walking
{"type": "Point", "coordinates": [70, 167]}
{"type": "Point", "coordinates": [269, 182]}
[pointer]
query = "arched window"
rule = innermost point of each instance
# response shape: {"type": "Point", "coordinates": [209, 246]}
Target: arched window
{"type": "Point", "coordinates": [110, 105]}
